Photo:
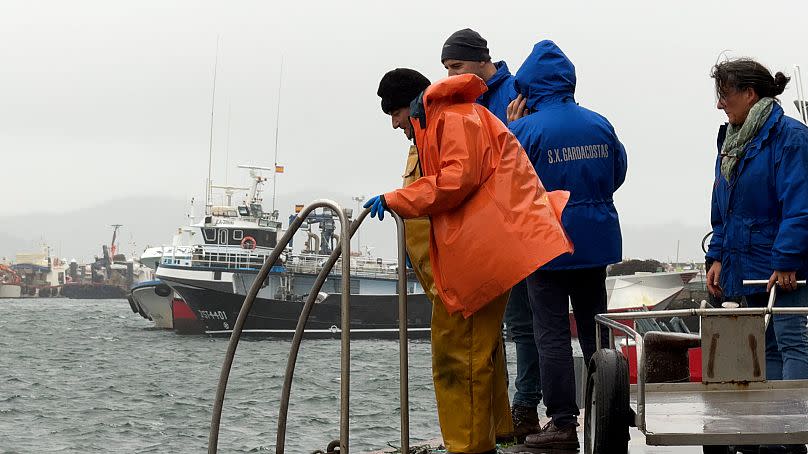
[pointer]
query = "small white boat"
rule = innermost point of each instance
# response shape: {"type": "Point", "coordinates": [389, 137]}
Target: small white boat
{"type": "Point", "coordinates": [641, 291]}
{"type": "Point", "coordinates": [152, 300]}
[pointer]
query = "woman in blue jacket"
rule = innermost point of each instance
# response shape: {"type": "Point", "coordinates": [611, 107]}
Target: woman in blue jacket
{"type": "Point", "coordinates": [760, 208]}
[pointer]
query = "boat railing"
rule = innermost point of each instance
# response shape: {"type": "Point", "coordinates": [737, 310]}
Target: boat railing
{"type": "Point", "coordinates": [236, 258]}
{"type": "Point", "coordinates": [347, 231]}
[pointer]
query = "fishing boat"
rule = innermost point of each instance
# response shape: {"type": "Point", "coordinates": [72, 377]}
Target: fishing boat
{"type": "Point", "coordinates": [233, 242]}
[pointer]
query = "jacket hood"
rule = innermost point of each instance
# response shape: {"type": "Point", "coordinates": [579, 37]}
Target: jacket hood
{"type": "Point", "coordinates": [465, 88]}
{"type": "Point", "coordinates": [547, 75]}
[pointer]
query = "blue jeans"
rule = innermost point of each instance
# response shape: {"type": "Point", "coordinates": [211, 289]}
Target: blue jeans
{"type": "Point", "coordinates": [551, 293]}
{"type": "Point", "coordinates": [519, 321]}
{"type": "Point", "coordinates": [786, 336]}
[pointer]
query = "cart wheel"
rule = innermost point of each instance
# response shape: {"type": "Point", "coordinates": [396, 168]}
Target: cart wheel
{"type": "Point", "coordinates": [607, 409]}
{"type": "Point", "coordinates": [716, 449]}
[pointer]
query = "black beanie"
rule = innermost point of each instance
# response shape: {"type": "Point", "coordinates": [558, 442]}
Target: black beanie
{"type": "Point", "coordinates": [466, 45]}
{"type": "Point", "coordinates": [399, 87]}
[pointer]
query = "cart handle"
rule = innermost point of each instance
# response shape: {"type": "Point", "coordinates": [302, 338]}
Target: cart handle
{"type": "Point", "coordinates": [772, 296]}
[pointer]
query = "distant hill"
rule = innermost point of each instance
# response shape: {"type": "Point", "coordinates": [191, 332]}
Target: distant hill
{"type": "Point", "coordinates": [151, 221]}
{"type": "Point", "coordinates": [79, 234]}
{"type": "Point", "coordinates": [147, 221]}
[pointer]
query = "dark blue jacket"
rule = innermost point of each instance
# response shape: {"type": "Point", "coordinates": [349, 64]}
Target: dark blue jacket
{"type": "Point", "coordinates": [574, 149]}
{"type": "Point", "coordinates": [500, 92]}
{"type": "Point", "coordinates": [760, 217]}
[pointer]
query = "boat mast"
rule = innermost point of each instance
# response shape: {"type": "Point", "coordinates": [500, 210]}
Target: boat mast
{"type": "Point", "coordinates": [801, 105]}
{"type": "Point", "coordinates": [227, 150]}
{"type": "Point", "coordinates": [277, 121]}
{"type": "Point", "coordinates": [208, 193]}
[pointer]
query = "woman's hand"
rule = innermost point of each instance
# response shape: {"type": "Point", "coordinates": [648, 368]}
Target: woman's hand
{"type": "Point", "coordinates": [786, 280]}
{"type": "Point", "coordinates": [714, 280]}
{"type": "Point", "coordinates": [517, 109]}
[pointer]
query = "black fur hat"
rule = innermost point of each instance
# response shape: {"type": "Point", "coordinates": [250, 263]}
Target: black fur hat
{"type": "Point", "coordinates": [399, 87]}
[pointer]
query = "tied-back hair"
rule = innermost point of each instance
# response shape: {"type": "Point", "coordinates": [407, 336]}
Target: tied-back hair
{"type": "Point", "coordinates": [742, 73]}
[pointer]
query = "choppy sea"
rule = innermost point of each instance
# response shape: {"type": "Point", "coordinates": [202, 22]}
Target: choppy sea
{"type": "Point", "coordinates": [88, 376]}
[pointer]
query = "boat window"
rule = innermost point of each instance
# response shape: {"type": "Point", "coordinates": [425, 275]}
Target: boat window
{"type": "Point", "coordinates": [238, 235]}
{"type": "Point", "coordinates": [223, 236]}
{"type": "Point", "coordinates": [210, 234]}
{"type": "Point", "coordinates": [244, 211]}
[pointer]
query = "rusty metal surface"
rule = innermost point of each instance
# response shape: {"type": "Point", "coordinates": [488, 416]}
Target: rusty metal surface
{"type": "Point", "coordinates": [733, 348]}
{"type": "Point", "coordinates": [754, 413]}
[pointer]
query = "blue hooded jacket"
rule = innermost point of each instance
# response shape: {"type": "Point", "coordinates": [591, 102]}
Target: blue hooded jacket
{"type": "Point", "coordinates": [573, 149]}
{"type": "Point", "coordinates": [760, 217]}
{"type": "Point", "coordinates": [500, 92]}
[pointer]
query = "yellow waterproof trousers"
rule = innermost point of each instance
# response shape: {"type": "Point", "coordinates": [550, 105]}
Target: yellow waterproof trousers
{"type": "Point", "coordinates": [468, 368]}
{"type": "Point", "coordinates": [468, 361]}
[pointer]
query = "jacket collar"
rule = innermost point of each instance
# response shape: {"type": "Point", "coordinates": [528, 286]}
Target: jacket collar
{"type": "Point", "coordinates": [502, 74]}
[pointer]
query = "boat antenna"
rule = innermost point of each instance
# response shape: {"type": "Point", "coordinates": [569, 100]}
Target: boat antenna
{"type": "Point", "coordinates": [277, 121]}
{"type": "Point", "coordinates": [208, 194]}
{"type": "Point", "coordinates": [227, 149]}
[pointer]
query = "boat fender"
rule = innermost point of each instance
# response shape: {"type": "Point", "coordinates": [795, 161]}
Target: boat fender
{"type": "Point", "coordinates": [248, 243]}
{"type": "Point", "coordinates": [162, 290]}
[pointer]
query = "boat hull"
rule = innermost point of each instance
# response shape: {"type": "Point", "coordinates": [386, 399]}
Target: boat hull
{"type": "Point", "coordinates": [185, 321]}
{"type": "Point", "coordinates": [10, 291]}
{"type": "Point", "coordinates": [93, 291]}
{"type": "Point", "coordinates": [372, 316]}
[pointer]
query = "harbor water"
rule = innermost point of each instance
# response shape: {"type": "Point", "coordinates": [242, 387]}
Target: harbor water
{"type": "Point", "coordinates": [90, 376]}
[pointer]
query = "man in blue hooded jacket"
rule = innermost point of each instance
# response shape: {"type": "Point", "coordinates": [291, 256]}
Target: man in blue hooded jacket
{"type": "Point", "coordinates": [466, 52]}
{"type": "Point", "coordinates": [574, 149]}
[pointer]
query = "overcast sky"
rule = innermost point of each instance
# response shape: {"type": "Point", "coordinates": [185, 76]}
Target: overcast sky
{"type": "Point", "coordinates": [107, 99]}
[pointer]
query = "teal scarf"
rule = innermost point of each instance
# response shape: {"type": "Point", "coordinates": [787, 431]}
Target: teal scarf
{"type": "Point", "coordinates": [738, 137]}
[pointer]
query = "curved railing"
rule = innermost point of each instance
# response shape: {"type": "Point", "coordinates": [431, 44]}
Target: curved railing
{"type": "Point", "coordinates": [347, 232]}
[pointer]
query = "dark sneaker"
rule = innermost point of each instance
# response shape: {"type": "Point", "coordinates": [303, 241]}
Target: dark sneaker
{"type": "Point", "coordinates": [783, 449]}
{"type": "Point", "coordinates": [525, 422]}
{"type": "Point", "coordinates": [554, 437]}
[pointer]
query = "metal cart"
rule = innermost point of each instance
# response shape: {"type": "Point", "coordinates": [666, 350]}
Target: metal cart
{"type": "Point", "coordinates": [734, 405]}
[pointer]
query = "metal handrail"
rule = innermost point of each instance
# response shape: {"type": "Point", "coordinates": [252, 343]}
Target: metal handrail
{"type": "Point", "coordinates": [347, 233]}
{"type": "Point", "coordinates": [283, 412]}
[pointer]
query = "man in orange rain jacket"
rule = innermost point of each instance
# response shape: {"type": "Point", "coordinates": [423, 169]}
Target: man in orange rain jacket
{"type": "Point", "coordinates": [492, 224]}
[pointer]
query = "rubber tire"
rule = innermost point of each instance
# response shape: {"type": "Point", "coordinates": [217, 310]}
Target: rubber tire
{"type": "Point", "coordinates": [717, 449]}
{"type": "Point", "coordinates": [333, 446]}
{"type": "Point", "coordinates": [608, 381]}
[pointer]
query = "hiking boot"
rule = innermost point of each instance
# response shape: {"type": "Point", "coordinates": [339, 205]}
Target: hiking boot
{"type": "Point", "coordinates": [554, 437]}
{"type": "Point", "coordinates": [525, 422]}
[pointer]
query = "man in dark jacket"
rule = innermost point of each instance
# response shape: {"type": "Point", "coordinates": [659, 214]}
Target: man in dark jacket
{"type": "Point", "coordinates": [465, 51]}
{"type": "Point", "coordinates": [575, 149]}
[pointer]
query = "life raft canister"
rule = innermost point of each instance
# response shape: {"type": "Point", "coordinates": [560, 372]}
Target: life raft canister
{"type": "Point", "coordinates": [248, 243]}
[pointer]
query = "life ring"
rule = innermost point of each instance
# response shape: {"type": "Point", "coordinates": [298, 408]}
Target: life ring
{"type": "Point", "coordinates": [248, 243]}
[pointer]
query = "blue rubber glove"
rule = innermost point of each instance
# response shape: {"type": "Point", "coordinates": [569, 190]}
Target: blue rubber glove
{"type": "Point", "coordinates": [377, 205]}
